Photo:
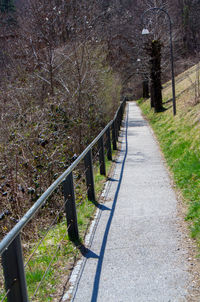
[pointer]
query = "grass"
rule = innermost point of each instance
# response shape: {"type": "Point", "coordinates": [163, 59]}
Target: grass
{"type": "Point", "coordinates": [100, 179]}
{"type": "Point", "coordinates": [179, 138]}
{"type": "Point", "coordinates": [47, 253]}
{"type": "Point", "coordinates": [68, 253]}
{"type": "Point", "coordinates": [62, 259]}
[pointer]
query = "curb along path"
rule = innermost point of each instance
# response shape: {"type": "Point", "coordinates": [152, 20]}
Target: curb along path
{"type": "Point", "coordinates": [135, 253]}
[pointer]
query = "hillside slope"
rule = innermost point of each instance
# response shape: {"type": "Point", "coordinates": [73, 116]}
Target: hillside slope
{"type": "Point", "coordinates": [179, 138]}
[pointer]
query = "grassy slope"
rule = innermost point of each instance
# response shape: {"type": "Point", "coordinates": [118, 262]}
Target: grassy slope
{"type": "Point", "coordinates": [179, 139]}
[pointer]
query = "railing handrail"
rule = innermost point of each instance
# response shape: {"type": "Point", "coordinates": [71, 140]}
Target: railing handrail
{"type": "Point", "coordinates": [8, 239]}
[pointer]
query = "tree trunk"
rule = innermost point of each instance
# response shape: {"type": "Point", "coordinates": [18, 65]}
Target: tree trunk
{"type": "Point", "coordinates": [156, 87]}
{"type": "Point", "coordinates": [145, 85]}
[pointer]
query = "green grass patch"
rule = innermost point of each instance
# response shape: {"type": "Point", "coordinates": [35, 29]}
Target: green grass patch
{"type": "Point", "coordinates": [48, 252]}
{"type": "Point", "coordinates": [100, 179]}
{"type": "Point", "coordinates": [68, 253]}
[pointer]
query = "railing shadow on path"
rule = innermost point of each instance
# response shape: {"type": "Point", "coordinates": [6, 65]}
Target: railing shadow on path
{"type": "Point", "coordinates": [103, 247]}
{"type": "Point", "coordinates": [87, 253]}
{"type": "Point", "coordinates": [90, 254]}
{"type": "Point", "coordinates": [138, 123]}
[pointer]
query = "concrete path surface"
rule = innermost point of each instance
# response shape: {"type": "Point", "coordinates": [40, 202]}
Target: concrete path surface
{"type": "Point", "coordinates": [134, 254]}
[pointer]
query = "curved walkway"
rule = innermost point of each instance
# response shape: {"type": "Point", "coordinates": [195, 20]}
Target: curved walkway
{"type": "Point", "coordinates": [135, 252]}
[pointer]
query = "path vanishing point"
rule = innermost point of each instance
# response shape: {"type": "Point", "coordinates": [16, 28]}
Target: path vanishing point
{"type": "Point", "coordinates": [134, 249]}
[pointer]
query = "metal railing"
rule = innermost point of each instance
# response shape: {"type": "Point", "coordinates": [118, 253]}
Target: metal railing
{"type": "Point", "coordinates": [11, 247]}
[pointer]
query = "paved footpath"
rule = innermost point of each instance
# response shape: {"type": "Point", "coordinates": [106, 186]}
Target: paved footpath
{"type": "Point", "coordinates": [135, 252]}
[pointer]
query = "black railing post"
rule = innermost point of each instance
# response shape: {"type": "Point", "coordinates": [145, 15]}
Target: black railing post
{"type": "Point", "coordinates": [116, 127]}
{"type": "Point", "coordinates": [124, 105]}
{"type": "Point", "coordinates": [114, 135]}
{"type": "Point", "coordinates": [70, 207]}
{"type": "Point", "coordinates": [102, 156]}
{"type": "Point", "coordinates": [121, 113]}
{"type": "Point", "coordinates": [13, 267]}
{"type": "Point", "coordinates": [118, 124]}
{"type": "Point", "coordinates": [89, 176]}
{"type": "Point", "coordinates": [108, 144]}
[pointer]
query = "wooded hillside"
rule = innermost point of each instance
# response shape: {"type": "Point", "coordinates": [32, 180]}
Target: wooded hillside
{"type": "Point", "coordinates": [64, 66]}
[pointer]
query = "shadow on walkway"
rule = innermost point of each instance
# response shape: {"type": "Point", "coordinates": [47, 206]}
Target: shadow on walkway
{"type": "Point", "coordinates": [87, 253]}
{"type": "Point", "coordinates": [104, 242]}
{"type": "Point", "coordinates": [138, 123]}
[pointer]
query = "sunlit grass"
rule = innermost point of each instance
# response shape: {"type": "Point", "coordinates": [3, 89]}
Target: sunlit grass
{"type": "Point", "coordinates": [68, 252]}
